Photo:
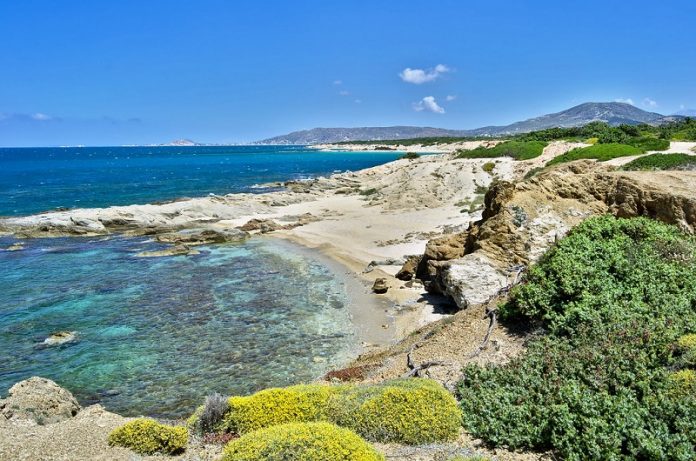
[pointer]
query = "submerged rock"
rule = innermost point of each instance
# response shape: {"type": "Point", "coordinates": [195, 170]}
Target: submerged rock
{"type": "Point", "coordinates": [380, 286]}
{"type": "Point", "coordinates": [177, 250]}
{"type": "Point", "coordinates": [40, 400]}
{"type": "Point", "coordinates": [203, 236]}
{"type": "Point", "coordinates": [60, 337]}
{"type": "Point", "coordinates": [15, 247]}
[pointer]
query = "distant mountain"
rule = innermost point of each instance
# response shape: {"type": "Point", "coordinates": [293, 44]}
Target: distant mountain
{"type": "Point", "coordinates": [687, 113]}
{"type": "Point", "coordinates": [378, 133]}
{"type": "Point", "coordinates": [613, 113]}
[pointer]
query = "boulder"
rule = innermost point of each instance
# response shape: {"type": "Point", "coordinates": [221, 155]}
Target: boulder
{"type": "Point", "coordinates": [177, 250]}
{"type": "Point", "coordinates": [202, 236]}
{"type": "Point", "coordinates": [261, 225]}
{"type": "Point", "coordinates": [380, 286]}
{"type": "Point", "coordinates": [408, 270]}
{"type": "Point", "coordinates": [40, 400]}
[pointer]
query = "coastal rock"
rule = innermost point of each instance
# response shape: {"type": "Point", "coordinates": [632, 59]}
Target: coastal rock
{"type": "Point", "coordinates": [408, 270]}
{"type": "Point", "coordinates": [15, 247]}
{"type": "Point", "coordinates": [40, 400]}
{"type": "Point", "coordinates": [522, 220]}
{"type": "Point", "coordinates": [203, 236]}
{"type": "Point", "coordinates": [60, 337]}
{"type": "Point", "coordinates": [261, 225]}
{"type": "Point", "coordinates": [380, 286]}
{"type": "Point", "coordinates": [177, 250]}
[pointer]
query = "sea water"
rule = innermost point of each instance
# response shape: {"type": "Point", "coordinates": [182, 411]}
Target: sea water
{"type": "Point", "coordinates": [154, 336]}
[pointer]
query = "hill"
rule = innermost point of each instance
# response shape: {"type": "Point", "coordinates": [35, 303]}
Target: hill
{"type": "Point", "coordinates": [613, 113]}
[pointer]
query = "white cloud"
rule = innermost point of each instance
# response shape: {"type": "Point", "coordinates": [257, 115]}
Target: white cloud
{"type": "Point", "coordinates": [626, 100]}
{"type": "Point", "coordinates": [344, 93]}
{"type": "Point", "coordinates": [358, 101]}
{"type": "Point", "coordinates": [649, 102]}
{"type": "Point", "coordinates": [451, 97]}
{"type": "Point", "coordinates": [41, 117]}
{"type": "Point", "coordinates": [338, 82]}
{"type": "Point", "coordinates": [682, 107]}
{"type": "Point", "coordinates": [418, 76]}
{"type": "Point", "coordinates": [428, 103]}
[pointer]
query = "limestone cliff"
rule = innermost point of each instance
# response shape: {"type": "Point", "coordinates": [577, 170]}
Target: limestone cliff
{"type": "Point", "coordinates": [521, 220]}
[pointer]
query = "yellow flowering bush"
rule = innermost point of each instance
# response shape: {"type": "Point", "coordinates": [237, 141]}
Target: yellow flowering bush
{"type": "Point", "coordinates": [683, 382]}
{"type": "Point", "coordinates": [318, 441]}
{"type": "Point", "coordinates": [687, 347]}
{"type": "Point", "coordinates": [146, 436]}
{"type": "Point", "coordinates": [411, 411]}
{"type": "Point", "coordinates": [304, 402]}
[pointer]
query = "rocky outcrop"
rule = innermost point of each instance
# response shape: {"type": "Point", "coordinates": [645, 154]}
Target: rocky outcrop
{"type": "Point", "coordinates": [522, 220]}
{"type": "Point", "coordinates": [380, 286]}
{"type": "Point", "coordinates": [60, 337]}
{"type": "Point", "coordinates": [202, 236]}
{"type": "Point", "coordinates": [40, 400]}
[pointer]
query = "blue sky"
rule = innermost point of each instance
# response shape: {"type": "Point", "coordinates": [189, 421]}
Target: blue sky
{"type": "Point", "coordinates": [122, 72]}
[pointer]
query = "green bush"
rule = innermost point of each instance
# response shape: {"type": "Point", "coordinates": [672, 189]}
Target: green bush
{"type": "Point", "coordinates": [648, 143]}
{"type": "Point", "coordinates": [488, 167]}
{"type": "Point", "coordinates": [662, 162]}
{"type": "Point", "coordinates": [410, 156]}
{"type": "Point", "coordinates": [601, 152]}
{"type": "Point", "coordinates": [613, 298]}
{"type": "Point", "coordinates": [301, 442]}
{"type": "Point", "coordinates": [519, 150]}
{"type": "Point", "coordinates": [409, 411]}
{"type": "Point", "coordinates": [147, 436]}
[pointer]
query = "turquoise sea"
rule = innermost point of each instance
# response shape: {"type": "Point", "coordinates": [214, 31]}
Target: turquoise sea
{"type": "Point", "coordinates": [156, 335]}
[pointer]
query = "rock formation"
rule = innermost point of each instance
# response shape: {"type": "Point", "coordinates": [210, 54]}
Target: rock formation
{"type": "Point", "coordinates": [40, 400]}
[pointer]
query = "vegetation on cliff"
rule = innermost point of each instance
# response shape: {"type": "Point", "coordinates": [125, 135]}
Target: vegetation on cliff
{"type": "Point", "coordinates": [600, 152]}
{"type": "Point", "coordinates": [610, 377]}
{"type": "Point", "coordinates": [655, 162]}
{"type": "Point", "coordinates": [519, 150]}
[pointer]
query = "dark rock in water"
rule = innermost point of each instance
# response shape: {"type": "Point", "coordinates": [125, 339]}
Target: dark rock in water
{"type": "Point", "coordinates": [380, 286]}
{"type": "Point", "coordinates": [408, 270]}
{"type": "Point", "coordinates": [40, 400]}
{"type": "Point", "coordinates": [177, 250]}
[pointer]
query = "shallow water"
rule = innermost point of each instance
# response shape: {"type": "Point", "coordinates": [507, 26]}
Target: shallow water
{"type": "Point", "coordinates": [155, 335]}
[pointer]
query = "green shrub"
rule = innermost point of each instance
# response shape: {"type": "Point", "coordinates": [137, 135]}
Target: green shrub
{"type": "Point", "coordinates": [519, 150]}
{"type": "Point", "coordinates": [488, 167]}
{"type": "Point", "coordinates": [208, 417]}
{"type": "Point", "coordinates": [613, 298]}
{"type": "Point", "coordinates": [687, 348]}
{"type": "Point", "coordinates": [301, 442]}
{"type": "Point", "coordinates": [368, 191]}
{"type": "Point", "coordinates": [301, 403]}
{"type": "Point", "coordinates": [410, 156]}
{"type": "Point", "coordinates": [601, 152]}
{"type": "Point", "coordinates": [409, 411]}
{"type": "Point", "coordinates": [648, 143]}
{"type": "Point", "coordinates": [147, 436]}
{"type": "Point", "coordinates": [663, 162]}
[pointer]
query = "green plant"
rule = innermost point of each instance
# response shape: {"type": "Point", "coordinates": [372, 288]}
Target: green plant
{"type": "Point", "coordinates": [302, 442]}
{"type": "Point", "coordinates": [601, 152]}
{"type": "Point", "coordinates": [648, 143]}
{"type": "Point", "coordinates": [683, 382]}
{"type": "Point", "coordinates": [612, 298]}
{"type": "Point", "coordinates": [410, 156]}
{"type": "Point", "coordinates": [519, 150]}
{"type": "Point", "coordinates": [663, 162]}
{"type": "Point", "coordinates": [147, 436]}
{"type": "Point", "coordinates": [488, 167]}
{"type": "Point", "coordinates": [368, 191]}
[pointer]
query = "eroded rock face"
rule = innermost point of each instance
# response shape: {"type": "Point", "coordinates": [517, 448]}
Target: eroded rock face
{"type": "Point", "coordinates": [522, 220]}
{"type": "Point", "coordinates": [202, 236]}
{"type": "Point", "coordinates": [40, 400]}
